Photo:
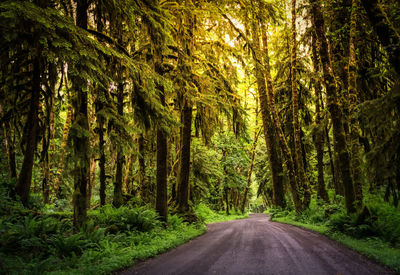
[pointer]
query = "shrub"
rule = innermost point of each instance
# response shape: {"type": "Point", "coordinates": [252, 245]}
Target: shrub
{"type": "Point", "coordinates": [126, 218]}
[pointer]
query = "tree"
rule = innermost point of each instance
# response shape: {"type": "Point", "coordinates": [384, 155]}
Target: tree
{"type": "Point", "coordinates": [301, 174]}
{"type": "Point", "coordinates": [340, 143]}
{"type": "Point", "coordinates": [318, 135]}
{"type": "Point", "coordinates": [80, 131]}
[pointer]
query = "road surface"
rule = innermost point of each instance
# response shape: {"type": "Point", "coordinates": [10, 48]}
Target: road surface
{"type": "Point", "coordinates": [258, 246]}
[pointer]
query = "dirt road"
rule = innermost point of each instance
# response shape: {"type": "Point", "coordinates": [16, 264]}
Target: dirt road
{"type": "Point", "coordinates": [258, 246]}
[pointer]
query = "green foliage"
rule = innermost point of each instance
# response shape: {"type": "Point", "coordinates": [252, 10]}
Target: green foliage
{"type": "Point", "coordinates": [126, 218]}
{"type": "Point", "coordinates": [41, 243]}
{"type": "Point", "coordinates": [206, 171]}
{"type": "Point", "coordinates": [234, 160]}
{"type": "Point", "coordinates": [207, 215]}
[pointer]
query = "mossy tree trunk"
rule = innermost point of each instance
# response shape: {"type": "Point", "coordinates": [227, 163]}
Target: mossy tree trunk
{"type": "Point", "coordinates": [340, 143]}
{"type": "Point", "coordinates": [302, 179]}
{"type": "Point", "coordinates": [118, 198]}
{"type": "Point", "coordinates": [282, 139]}
{"type": "Point", "coordinates": [142, 168]}
{"type": "Point", "coordinates": [356, 160]}
{"type": "Point", "coordinates": [162, 173]}
{"type": "Point", "coordinates": [318, 135]}
{"type": "Point", "coordinates": [270, 133]}
{"type": "Point", "coordinates": [80, 133]}
{"type": "Point", "coordinates": [184, 171]}
{"type": "Point", "coordinates": [31, 128]}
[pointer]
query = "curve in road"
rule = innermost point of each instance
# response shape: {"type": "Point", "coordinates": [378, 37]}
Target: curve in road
{"type": "Point", "coordinates": [258, 246]}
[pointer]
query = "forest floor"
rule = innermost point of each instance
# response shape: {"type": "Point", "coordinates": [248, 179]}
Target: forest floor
{"type": "Point", "coordinates": [258, 246]}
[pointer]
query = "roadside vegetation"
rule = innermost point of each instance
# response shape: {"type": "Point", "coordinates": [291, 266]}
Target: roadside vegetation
{"type": "Point", "coordinates": [209, 216]}
{"type": "Point", "coordinates": [43, 241]}
{"type": "Point", "coordinates": [374, 232]}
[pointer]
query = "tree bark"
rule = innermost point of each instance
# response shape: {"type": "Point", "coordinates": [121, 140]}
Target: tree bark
{"type": "Point", "coordinates": [269, 129]}
{"type": "Point", "coordinates": [282, 139]}
{"type": "Point", "coordinates": [353, 101]}
{"type": "Point", "coordinates": [161, 197]}
{"type": "Point", "coordinates": [302, 179]}
{"type": "Point", "coordinates": [24, 181]}
{"type": "Point", "coordinates": [92, 182]}
{"type": "Point", "coordinates": [80, 140]}
{"type": "Point", "coordinates": [102, 161]}
{"type": "Point", "coordinates": [250, 171]}
{"type": "Point", "coordinates": [226, 191]}
{"type": "Point", "coordinates": [101, 121]}
{"type": "Point", "coordinates": [340, 143]}
{"type": "Point", "coordinates": [318, 134]}
{"type": "Point", "coordinates": [60, 165]}
{"type": "Point", "coordinates": [10, 149]}
{"type": "Point", "coordinates": [118, 198]}
{"type": "Point", "coordinates": [142, 168]}
{"type": "Point", "coordinates": [184, 171]}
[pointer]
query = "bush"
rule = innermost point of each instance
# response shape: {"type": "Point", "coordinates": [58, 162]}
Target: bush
{"type": "Point", "coordinates": [126, 218]}
{"type": "Point", "coordinates": [376, 220]}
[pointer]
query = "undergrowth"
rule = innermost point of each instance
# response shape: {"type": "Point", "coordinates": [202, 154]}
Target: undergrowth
{"type": "Point", "coordinates": [43, 242]}
{"type": "Point", "coordinates": [373, 231]}
{"type": "Point", "coordinates": [207, 215]}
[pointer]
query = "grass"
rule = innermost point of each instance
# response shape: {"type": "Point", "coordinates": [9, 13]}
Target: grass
{"type": "Point", "coordinates": [375, 237]}
{"type": "Point", "coordinates": [209, 216]}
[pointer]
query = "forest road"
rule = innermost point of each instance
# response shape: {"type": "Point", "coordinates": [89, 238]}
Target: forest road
{"type": "Point", "coordinates": [258, 246]}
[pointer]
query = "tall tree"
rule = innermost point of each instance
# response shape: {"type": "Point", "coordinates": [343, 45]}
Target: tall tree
{"type": "Point", "coordinates": [301, 174]}
{"type": "Point", "coordinates": [80, 130]}
{"type": "Point", "coordinates": [318, 135]}
{"type": "Point", "coordinates": [353, 101]}
{"type": "Point", "coordinates": [340, 143]}
{"type": "Point", "coordinates": [186, 63]}
{"type": "Point", "coordinates": [184, 171]}
{"type": "Point", "coordinates": [30, 137]}
{"type": "Point", "coordinates": [118, 198]}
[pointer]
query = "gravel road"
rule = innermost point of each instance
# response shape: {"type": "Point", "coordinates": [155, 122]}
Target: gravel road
{"type": "Point", "coordinates": [258, 246]}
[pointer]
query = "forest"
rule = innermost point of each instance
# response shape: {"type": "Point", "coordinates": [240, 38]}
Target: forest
{"type": "Point", "coordinates": [127, 125]}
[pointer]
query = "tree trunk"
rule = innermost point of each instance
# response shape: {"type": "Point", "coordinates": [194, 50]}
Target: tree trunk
{"type": "Point", "coordinates": [10, 149]}
{"type": "Point", "coordinates": [46, 171]}
{"type": "Point", "coordinates": [23, 185]}
{"type": "Point", "coordinates": [318, 134]}
{"type": "Point", "coordinates": [101, 121]}
{"type": "Point", "coordinates": [60, 165]}
{"type": "Point", "coordinates": [92, 182]}
{"type": "Point", "coordinates": [142, 168]}
{"type": "Point", "coordinates": [102, 161]}
{"type": "Point", "coordinates": [118, 198]}
{"type": "Point", "coordinates": [80, 140]}
{"type": "Point", "coordinates": [226, 191]}
{"type": "Point", "coordinates": [353, 101]}
{"type": "Point", "coordinates": [161, 197]}
{"type": "Point", "coordinates": [250, 171]}
{"type": "Point", "coordinates": [283, 144]}
{"type": "Point", "coordinates": [269, 129]}
{"type": "Point", "coordinates": [340, 143]}
{"type": "Point", "coordinates": [184, 172]}
{"type": "Point", "coordinates": [298, 157]}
